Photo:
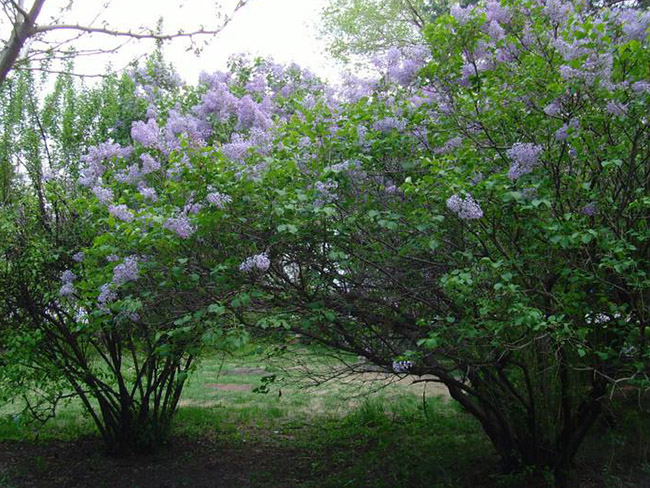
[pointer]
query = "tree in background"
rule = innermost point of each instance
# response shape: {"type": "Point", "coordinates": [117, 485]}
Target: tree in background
{"type": "Point", "coordinates": [358, 29]}
{"type": "Point", "coordinates": [27, 41]}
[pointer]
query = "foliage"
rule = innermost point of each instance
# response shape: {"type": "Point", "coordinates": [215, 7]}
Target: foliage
{"type": "Point", "coordinates": [485, 223]}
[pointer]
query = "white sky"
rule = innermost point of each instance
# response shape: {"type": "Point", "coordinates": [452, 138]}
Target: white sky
{"type": "Point", "coordinates": [283, 29]}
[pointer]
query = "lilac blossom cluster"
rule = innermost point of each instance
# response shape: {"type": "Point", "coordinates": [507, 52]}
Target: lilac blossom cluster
{"type": "Point", "coordinates": [181, 226]}
{"type": "Point", "coordinates": [524, 157]}
{"type": "Point", "coordinates": [466, 208]}
{"type": "Point", "coordinates": [67, 287]}
{"type": "Point", "coordinates": [126, 271]}
{"type": "Point", "coordinates": [259, 262]}
{"type": "Point", "coordinates": [219, 200]}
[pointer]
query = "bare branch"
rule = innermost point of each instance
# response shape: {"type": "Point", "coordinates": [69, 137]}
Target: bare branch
{"type": "Point", "coordinates": [22, 31]}
{"type": "Point", "coordinates": [26, 28]}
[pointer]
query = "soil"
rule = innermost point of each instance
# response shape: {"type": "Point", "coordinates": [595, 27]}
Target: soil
{"type": "Point", "coordinates": [195, 463]}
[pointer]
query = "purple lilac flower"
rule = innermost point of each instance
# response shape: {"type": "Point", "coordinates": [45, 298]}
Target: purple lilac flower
{"type": "Point", "coordinates": [78, 257]}
{"type": "Point", "coordinates": [121, 212]}
{"type": "Point", "coordinates": [553, 108]}
{"type": "Point", "coordinates": [112, 258]}
{"type": "Point", "coordinates": [590, 209]}
{"type": "Point", "coordinates": [67, 290]}
{"type": "Point", "coordinates": [634, 24]}
{"type": "Point", "coordinates": [251, 114]}
{"type": "Point", "coordinates": [106, 295]}
{"type": "Point", "coordinates": [462, 15]}
{"type": "Point", "coordinates": [237, 148]}
{"type": "Point", "coordinates": [466, 209]}
{"type": "Point", "coordinates": [325, 191]}
{"type": "Point", "coordinates": [195, 130]}
{"type": "Point", "coordinates": [149, 164]}
{"type": "Point", "coordinates": [388, 124]}
{"type": "Point", "coordinates": [524, 158]}
{"type": "Point", "coordinates": [495, 12]}
{"type": "Point", "coordinates": [104, 195]}
{"type": "Point", "coordinates": [131, 175]}
{"type": "Point", "coordinates": [192, 208]}
{"type": "Point", "coordinates": [259, 261]}
{"type": "Point", "coordinates": [94, 161]}
{"type": "Point", "coordinates": [126, 271]}
{"type": "Point", "coordinates": [218, 101]}
{"type": "Point", "coordinates": [617, 109]}
{"type": "Point", "coordinates": [640, 87]}
{"type": "Point", "coordinates": [495, 31]}
{"type": "Point", "coordinates": [256, 85]}
{"type": "Point", "coordinates": [148, 193]}
{"type": "Point", "coordinates": [217, 199]}
{"type": "Point", "coordinates": [147, 134]}
{"type": "Point", "coordinates": [557, 10]}
{"type": "Point", "coordinates": [562, 133]}
{"type": "Point", "coordinates": [181, 226]}
{"type": "Point", "coordinates": [355, 88]}
{"type": "Point", "coordinates": [68, 277]}
{"type": "Point", "coordinates": [450, 145]}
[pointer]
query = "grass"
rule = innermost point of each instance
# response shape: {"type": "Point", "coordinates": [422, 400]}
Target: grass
{"type": "Point", "coordinates": [354, 432]}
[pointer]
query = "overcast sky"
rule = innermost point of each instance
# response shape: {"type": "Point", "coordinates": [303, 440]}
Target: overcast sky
{"type": "Point", "coordinates": [283, 29]}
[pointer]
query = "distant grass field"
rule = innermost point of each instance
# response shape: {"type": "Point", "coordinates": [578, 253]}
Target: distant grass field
{"type": "Point", "coordinates": [360, 430]}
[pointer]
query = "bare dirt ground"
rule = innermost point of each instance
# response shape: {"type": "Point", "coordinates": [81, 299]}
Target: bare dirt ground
{"type": "Point", "coordinates": [196, 464]}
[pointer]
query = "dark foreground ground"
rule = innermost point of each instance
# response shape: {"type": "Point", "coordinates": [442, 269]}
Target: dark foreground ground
{"type": "Point", "coordinates": [226, 435]}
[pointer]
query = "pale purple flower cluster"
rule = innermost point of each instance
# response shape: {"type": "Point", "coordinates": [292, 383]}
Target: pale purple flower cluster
{"type": "Point", "coordinates": [147, 134]}
{"type": "Point", "coordinates": [325, 191]}
{"type": "Point", "coordinates": [126, 271]}
{"type": "Point", "coordinates": [192, 208]}
{"type": "Point", "coordinates": [149, 164]}
{"type": "Point", "coordinates": [466, 209]}
{"type": "Point", "coordinates": [495, 12]}
{"type": "Point", "coordinates": [131, 174]}
{"type": "Point", "coordinates": [617, 109]}
{"type": "Point", "coordinates": [181, 226]}
{"type": "Point", "coordinates": [388, 124]}
{"type": "Point", "coordinates": [67, 277]}
{"type": "Point", "coordinates": [252, 114]}
{"type": "Point", "coordinates": [217, 199]}
{"type": "Point", "coordinates": [237, 148]}
{"type": "Point", "coordinates": [78, 257]}
{"type": "Point", "coordinates": [634, 24]}
{"type": "Point", "coordinates": [104, 195]}
{"type": "Point", "coordinates": [462, 15]}
{"type": "Point", "coordinates": [640, 87]}
{"type": "Point", "coordinates": [524, 157]}
{"type": "Point", "coordinates": [355, 88]}
{"type": "Point", "coordinates": [256, 85]}
{"type": "Point", "coordinates": [553, 108]}
{"type": "Point", "coordinates": [66, 290]}
{"type": "Point", "coordinates": [590, 209]}
{"type": "Point", "coordinates": [106, 295]}
{"type": "Point", "coordinates": [450, 145]}
{"type": "Point", "coordinates": [403, 65]}
{"type": "Point", "coordinates": [194, 130]}
{"type": "Point", "coordinates": [112, 258]}
{"type": "Point", "coordinates": [148, 193]}
{"type": "Point", "coordinates": [94, 161]}
{"type": "Point", "coordinates": [121, 212]}
{"type": "Point", "coordinates": [259, 262]}
{"type": "Point", "coordinates": [218, 101]}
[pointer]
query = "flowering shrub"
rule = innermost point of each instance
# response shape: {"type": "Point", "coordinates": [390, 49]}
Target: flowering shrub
{"type": "Point", "coordinates": [484, 222]}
